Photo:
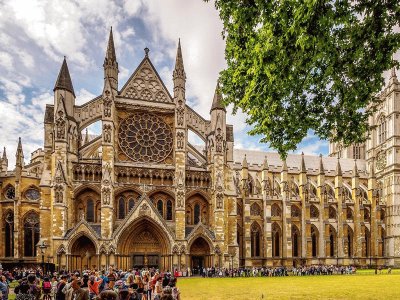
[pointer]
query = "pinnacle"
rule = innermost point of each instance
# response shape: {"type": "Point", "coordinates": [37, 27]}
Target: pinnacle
{"type": "Point", "coordinates": [110, 54]}
{"type": "Point", "coordinates": [338, 168]}
{"type": "Point", "coordinates": [321, 165]}
{"type": "Point", "coordinates": [4, 153]}
{"type": "Point", "coordinates": [355, 170]}
{"type": "Point", "coordinates": [284, 167]}
{"type": "Point", "coordinates": [217, 101]}
{"type": "Point", "coordinates": [64, 79]}
{"type": "Point", "coordinates": [244, 163]}
{"type": "Point", "coordinates": [265, 164]}
{"type": "Point", "coordinates": [303, 164]}
{"type": "Point", "coordinates": [179, 71]}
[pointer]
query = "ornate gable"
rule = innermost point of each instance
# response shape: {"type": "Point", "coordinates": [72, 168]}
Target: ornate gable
{"type": "Point", "coordinates": [145, 84]}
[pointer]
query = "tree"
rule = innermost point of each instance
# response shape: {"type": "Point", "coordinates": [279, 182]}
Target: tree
{"type": "Point", "coordinates": [295, 66]}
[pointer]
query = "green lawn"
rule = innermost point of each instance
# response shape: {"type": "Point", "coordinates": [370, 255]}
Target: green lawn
{"type": "Point", "coordinates": [364, 285]}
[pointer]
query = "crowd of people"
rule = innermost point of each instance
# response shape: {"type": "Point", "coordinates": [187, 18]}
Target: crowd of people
{"type": "Point", "coordinates": [278, 271]}
{"type": "Point", "coordinates": [146, 284]}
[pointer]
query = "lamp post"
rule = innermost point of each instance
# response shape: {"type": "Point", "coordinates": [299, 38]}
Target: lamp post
{"type": "Point", "coordinates": [42, 246]}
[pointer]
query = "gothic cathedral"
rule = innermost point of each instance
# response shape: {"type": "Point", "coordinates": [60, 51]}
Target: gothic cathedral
{"type": "Point", "coordinates": [140, 195]}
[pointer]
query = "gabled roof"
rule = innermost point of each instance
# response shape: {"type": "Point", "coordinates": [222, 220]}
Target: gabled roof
{"type": "Point", "coordinates": [146, 84]}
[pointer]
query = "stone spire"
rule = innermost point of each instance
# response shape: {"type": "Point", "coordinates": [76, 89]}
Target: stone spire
{"type": "Point", "coordinates": [179, 70]}
{"type": "Point", "coordinates": [4, 161]}
{"type": "Point", "coordinates": [265, 164]}
{"type": "Point", "coordinates": [19, 156]}
{"type": "Point", "coordinates": [64, 81]}
{"type": "Point", "coordinates": [303, 164]}
{"type": "Point", "coordinates": [321, 165]}
{"type": "Point", "coordinates": [217, 101]}
{"type": "Point", "coordinates": [110, 63]}
{"type": "Point", "coordinates": [110, 54]}
{"type": "Point", "coordinates": [179, 75]}
{"type": "Point", "coordinates": [338, 168]}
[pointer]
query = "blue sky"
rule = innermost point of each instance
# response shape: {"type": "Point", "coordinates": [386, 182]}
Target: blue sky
{"type": "Point", "coordinates": [35, 35]}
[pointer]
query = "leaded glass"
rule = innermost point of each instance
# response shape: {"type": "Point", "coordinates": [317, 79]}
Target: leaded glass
{"type": "Point", "coordinates": [32, 194]}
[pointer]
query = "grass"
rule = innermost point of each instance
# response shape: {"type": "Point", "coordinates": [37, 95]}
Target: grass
{"type": "Point", "coordinates": [364, 285]}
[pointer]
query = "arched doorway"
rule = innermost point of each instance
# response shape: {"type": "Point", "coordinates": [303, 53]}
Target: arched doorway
{"type": "Point", "coordinates": [144, 244]}
{"type": "Point", "coordinates": [200, 255]}
{"type": "Point", "coordinates": [83, 254]}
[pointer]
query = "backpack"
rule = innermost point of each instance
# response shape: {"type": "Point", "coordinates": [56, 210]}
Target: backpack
{"type": "Point", "coordinates": [47, 285]}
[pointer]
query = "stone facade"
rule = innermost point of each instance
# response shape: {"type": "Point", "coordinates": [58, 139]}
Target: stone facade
{"type": "Point", "coordinates": [140, 194]}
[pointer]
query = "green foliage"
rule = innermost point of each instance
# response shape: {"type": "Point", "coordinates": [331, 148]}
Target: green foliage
{"type": "Point", "coordinates": [295, 66]}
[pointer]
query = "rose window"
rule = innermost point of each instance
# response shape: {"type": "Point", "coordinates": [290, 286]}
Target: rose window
{"type": "Point", "coordinates": [145, 138]}
{"type": "Point", "coordinates": [10, 193]}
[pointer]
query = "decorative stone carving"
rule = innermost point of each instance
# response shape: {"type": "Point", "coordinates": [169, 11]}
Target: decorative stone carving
{"type": "Point", "coordinates": [180, 113]}
{"type": "Point", "coordinates": [381, 160]}
{"type": "Point", "coordinates": [107, 133]}
{"type": "Point", "coordinates": [255, 210]}
{"type": "Point", "coordinates": [220, 200]}
{"type": "Point", "coordinates": [106, 195]}
{"type": "Point", "coordinates": [219, 185]}
{"type": "Point", "coordinates": [60, 125]}
{"type": "Point", "coordinates": [144, 209]}
{"type": "Point", "coordinates": [180, 196]}
{"type": "Point", "coordinates": [180, 140]}
{"type": "Point", "coordinates": [58, 193]}
{"type": "Point", "coordinates": [180, 182]}
{"type": "Point", "coordinates": [219, 141]}
{"type": "Point", "coordinates": [107, 102]}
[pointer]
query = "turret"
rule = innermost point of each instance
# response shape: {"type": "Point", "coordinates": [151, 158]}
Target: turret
{"type": "Point", "coordinates": [64, 88]}
{"type": "Point", "coordinates": [110, 63]}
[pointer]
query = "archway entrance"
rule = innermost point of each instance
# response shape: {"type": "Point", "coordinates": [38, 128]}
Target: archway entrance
{"type": "Point", "coordinates": [200, 255]}
{"type": "Point", "coordinates": [144, 245]}
{"type": "Point", "coordinates": [83, 254]}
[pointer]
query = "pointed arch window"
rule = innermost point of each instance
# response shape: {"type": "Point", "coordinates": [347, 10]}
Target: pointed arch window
{"type": "Point", "coordinates": [314, 213]}
{"type": "Point", "coordinates": [382, 130]}
{"type": "Point", "coordinates": [9, 234]}
{"type": "Point", "coordinates": [131, 204]}
{"type": "Point", "coordinates": [332, 212]}
{"type": "Point", "coordinates": [349, 240]}
{"type": "Point", "coordinates": [276, 210]}
{"type": "Point", "coordinates": [160, 207]}
{"type": "Point", "coordinates": [196, 213]}
{"type": "Point", "coordinates": [332, 243]}
{"type": "Point", "coordinates": [121, 208]}
{"type": "Point", "coordinates": [255, 240]}
{"type": "Point", "coordinates": [169, 210]}
{"type": "Point", "coordinates": [31, 234]}
{"type": "Point", "coordinates": [314, 241]}
{"type": "Point", "coordinates": [295, 241]}
{"type": "Point", "coordinates": [90, 210]}
{"type": "Point", "coordinates": [276, 240]}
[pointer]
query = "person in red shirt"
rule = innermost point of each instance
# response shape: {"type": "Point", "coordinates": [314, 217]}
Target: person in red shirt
{"type": "Point", "coordinates": [94, 285]}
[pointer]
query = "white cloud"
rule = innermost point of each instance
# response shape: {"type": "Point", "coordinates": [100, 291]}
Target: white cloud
{"type": "Point", "coordinates": [83, 96]}
{"type": "Point", "coordinates": [6, 60]}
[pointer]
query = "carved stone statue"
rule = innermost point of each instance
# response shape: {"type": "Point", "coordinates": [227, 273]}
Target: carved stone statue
{"type": "Point", "coordinates": [219, 141]}
{"type": "Point", "coordinates": [180, 113]}
{"type": "Point", "coordinates": [106, 195]}
{"type": "Point", "coordinates": [107, 133]}
{"type": "Point", "coordinates": [107, 102]}
{"type": "Point", "coordinates": [60, 123]}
